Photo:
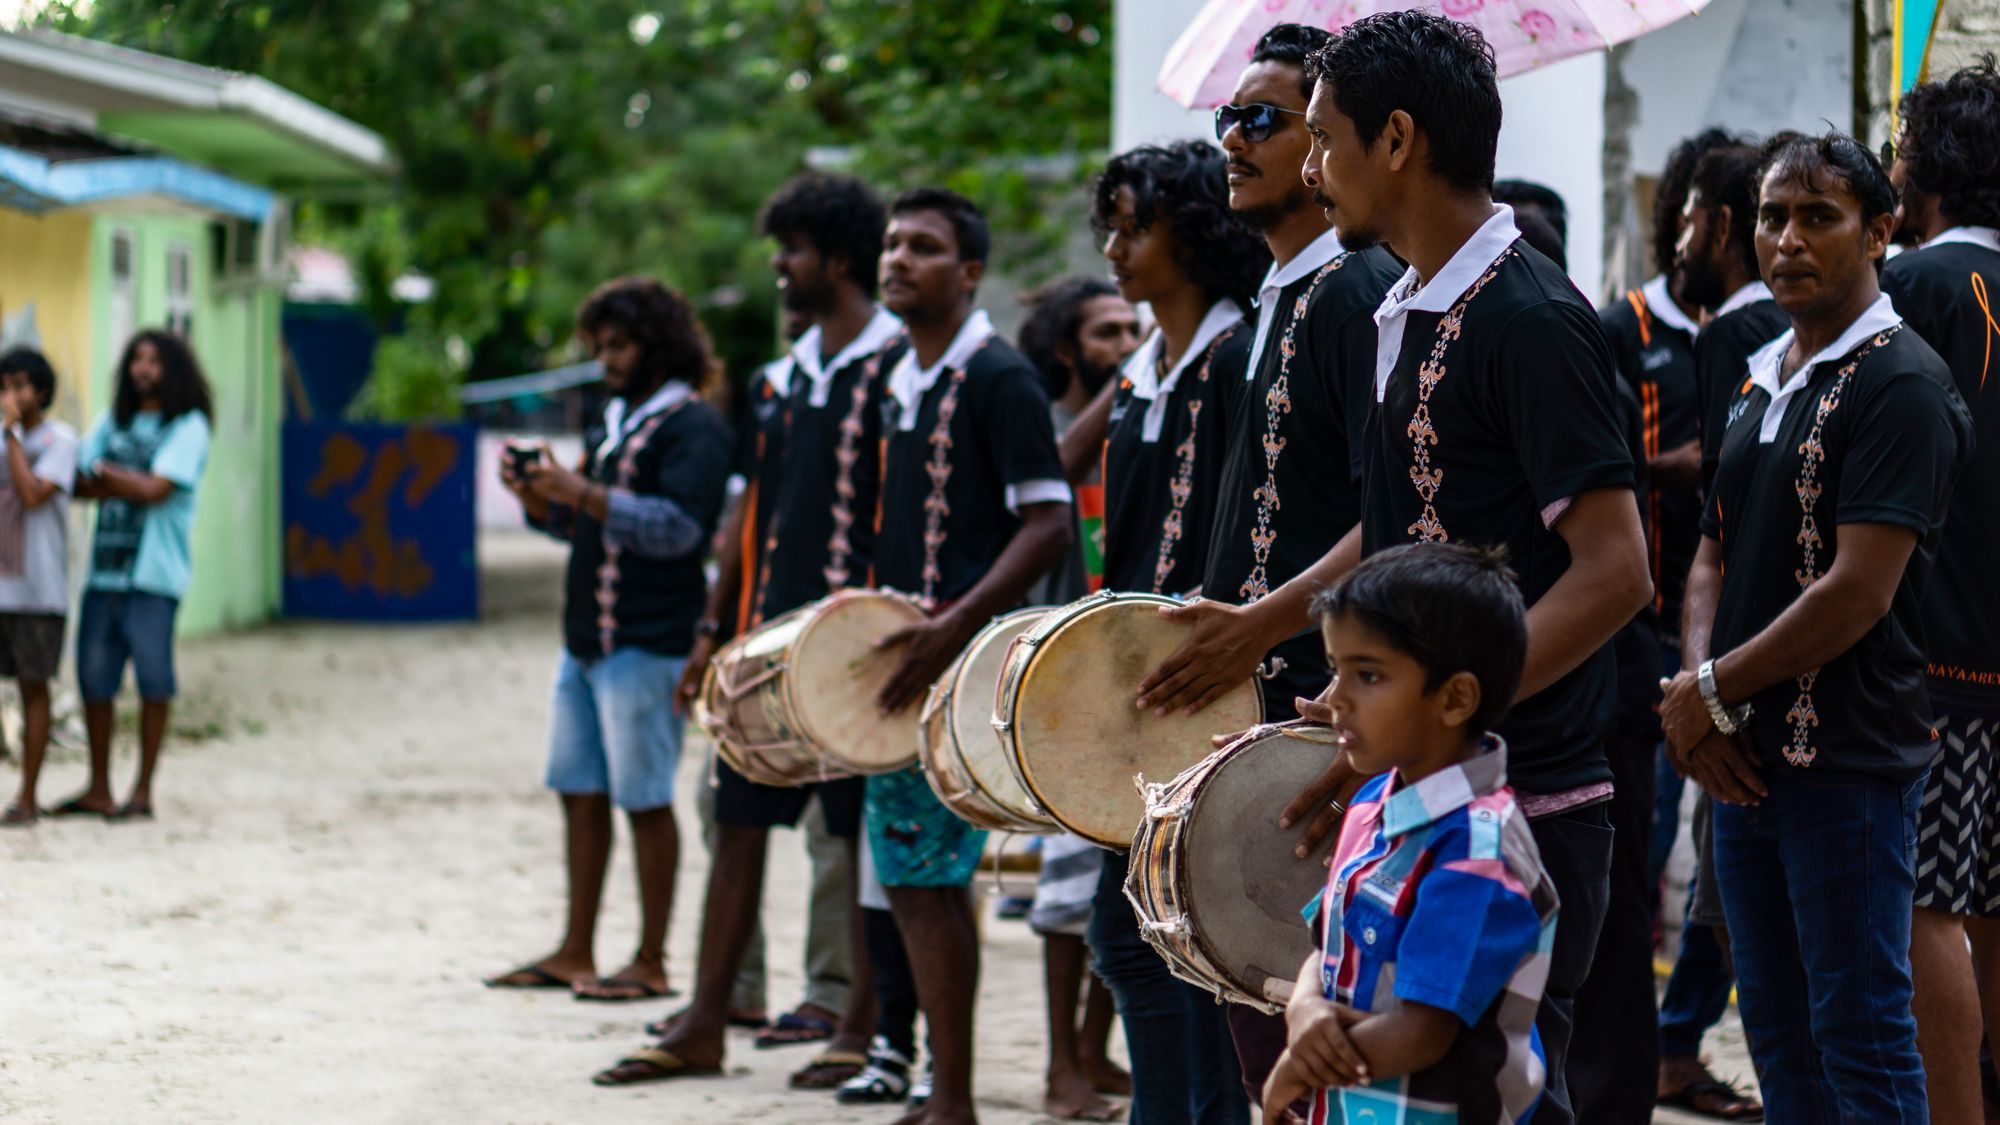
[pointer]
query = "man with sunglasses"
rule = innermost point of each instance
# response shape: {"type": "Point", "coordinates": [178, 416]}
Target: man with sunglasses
{"type": "Point", "coordinates": [1288, 490]}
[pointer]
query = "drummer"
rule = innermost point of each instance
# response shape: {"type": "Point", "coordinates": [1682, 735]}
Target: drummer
{"type": "Point", "coordinates": [805, 528]}
{"type": "Point", "coordinates": [974, 509]}
{"type": "Point", "coordinates": [1288, 488]}
{"type": "Point", "coordinates": [1162, 217]}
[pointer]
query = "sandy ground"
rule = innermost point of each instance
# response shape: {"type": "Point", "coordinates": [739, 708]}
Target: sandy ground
{"type": "Point", "coordinates": [300, 936]}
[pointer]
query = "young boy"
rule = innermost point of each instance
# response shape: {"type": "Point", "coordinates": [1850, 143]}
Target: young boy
{"type": "Point", "coordinates": [1437, 915]}
{"type": "Point", "coordinates": [37, 472]}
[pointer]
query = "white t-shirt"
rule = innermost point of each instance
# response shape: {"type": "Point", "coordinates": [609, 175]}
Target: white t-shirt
{"type": "Point", "coordinates": [34, 542]}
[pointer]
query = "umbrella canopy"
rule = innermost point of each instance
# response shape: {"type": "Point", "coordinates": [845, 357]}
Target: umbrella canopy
{"type": "Point", "coordinates": [1205, 62]}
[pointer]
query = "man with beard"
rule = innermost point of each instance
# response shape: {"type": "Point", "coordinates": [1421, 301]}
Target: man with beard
{"type": "Point", "coordinates": [974, 509]}
{"type": "Point", "coordinates": [1947, 169]}
{"type": "Point", "coordinates": [1494, 424]}
{"type": "Point", "coordinates": [1718, 262]}
{"type": "Point", "coordinates": [804, 530]}
{"type": "Point", "coordinates": [1288, 489]}
{"type": "Point", "coordinates": [1805, 714]}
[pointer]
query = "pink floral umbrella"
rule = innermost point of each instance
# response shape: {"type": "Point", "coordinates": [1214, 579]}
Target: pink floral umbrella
{"type": "Point", "coordinates": [1202, 68]}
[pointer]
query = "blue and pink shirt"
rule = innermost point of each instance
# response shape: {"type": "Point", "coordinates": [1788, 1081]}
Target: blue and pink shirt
{"type": "Point", "coordinates": [1437, 896]}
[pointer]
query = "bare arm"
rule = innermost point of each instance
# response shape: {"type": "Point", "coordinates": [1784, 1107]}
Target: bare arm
{"type": "Point", "coordinates": [722, 598]}
{"type": "Point", "coordinates": [1712, 760]}
{"type": "Point", "coordinates": [121, 483]}
{"type": "Point", "coordinates": [33, 490]}
{"type": "Point", "coordinates": [1083, 443]}
{"type": "Point", "coordinates": [1411, 1038]}
{"type": "Point", "coordinates": [1606, 583]}
{"type": "Point", "coordinates": [928, 647]}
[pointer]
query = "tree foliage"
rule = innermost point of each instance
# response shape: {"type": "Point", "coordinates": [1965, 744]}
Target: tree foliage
{"type": "Point", "coordinates": [546, 146]}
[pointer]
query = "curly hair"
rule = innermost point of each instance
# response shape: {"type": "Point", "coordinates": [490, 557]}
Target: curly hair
{"type": "Point", "coordinates": [839, 215]}
{"type": "Point", "coordinates": [1671, 193]}
{"type": "Point", "coordinates": [1055, 316]}
{"type": "Point", "coordinates": [1732, 176]}
{"type": "Point", "coordinates": [672, 342]}
{"type": "Point", "coordinates": [1951, 143]}
{"type": "Point", "coordinates": [1185, 184]}
{"type": "Point", "coordinates": [183, 388]}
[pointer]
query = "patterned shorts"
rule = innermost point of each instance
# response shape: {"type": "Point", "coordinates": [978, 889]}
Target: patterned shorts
{"type": "Point", "coordinates": [916, 841]}
{"type": "Point", "coordinates": [1958, 824]}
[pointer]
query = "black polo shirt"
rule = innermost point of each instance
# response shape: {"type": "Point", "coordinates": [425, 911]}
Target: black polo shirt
{"type": "Point", "coordinates": [1521, 419]}
{"type": "Point", "coordinates": [1657, 361]}
{"type": "Point", "coordinates": [757, 464]}
{"type": "Point", "coordinates": [1722, 361]}
{"type": "Point", "coordinates": [1159, 493]}
{"type": "Point", "coordinates": [1001, 451]}
{"type": "Point", "coordinates": [827, 442]}
{"type": "Point", "coordinates": [1934, 290]}
{"type": "Point", "coordinates": [1289, 486]}
{"type": "Point", "coordinates": [1894, 437]}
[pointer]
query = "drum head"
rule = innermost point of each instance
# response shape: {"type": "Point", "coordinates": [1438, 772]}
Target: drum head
{"type": "Point", "coordinates": [1078, 740]}
{"type": "Point", "coordinates": [836, 672]}
{"type": "Point", "coordinates": [1241, 883]}
{"type": "Point", "coordinates": [979, 745]}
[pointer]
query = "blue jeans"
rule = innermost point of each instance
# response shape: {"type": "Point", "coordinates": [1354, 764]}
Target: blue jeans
{"type": "Point", "coordinates": [1183, 1065]}
{"type": "Point", "coordinates": [1816, 884]}
{"type": "Point", "coordinates": [614, 729]}
{"type": "Point", "coordinates": [114, 628]}
{"type": "Point", "coordinates": [1697, 992]}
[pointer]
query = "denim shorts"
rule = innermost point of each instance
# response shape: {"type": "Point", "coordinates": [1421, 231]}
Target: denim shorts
{"type": "Point", "coordinates": [114, 627]}
{"type": "Point", "coordinates": [614, 729]}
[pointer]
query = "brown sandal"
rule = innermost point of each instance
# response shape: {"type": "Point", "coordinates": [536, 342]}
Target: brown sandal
{"type": "Point", "coordinates": [829, 1070]}
{"type": "Point", "coordinates": [651, 1064]}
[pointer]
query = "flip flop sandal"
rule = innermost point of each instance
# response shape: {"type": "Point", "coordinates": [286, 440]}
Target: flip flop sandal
{"type": "Point", "coordinates": [662, 1027]}
{"type": "Point", "coordinates": [793, 1029]}
{"type": "Point", "coordinates": [830, 1070]}
{"type": "Point", "coordinates": [75, 807]}
{"type": "Point", "coordinates": [1688, 1098]}
{"type": "Point", "coordinates": [127, 813]}
{"type": "Point", "coordinates": [538, 977]}
{"type": "Point", "coordinates": [651, 1064]}
{"type": "Point", "coordinates": [640, 991]}
{"type": "Point", "coordinates": [19, 816]}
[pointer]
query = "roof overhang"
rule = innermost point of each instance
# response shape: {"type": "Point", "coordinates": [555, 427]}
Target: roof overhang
{"type": "Point", "coordinates": [256, 129]}
{"type": "Point", "coordinates": [31, 183]}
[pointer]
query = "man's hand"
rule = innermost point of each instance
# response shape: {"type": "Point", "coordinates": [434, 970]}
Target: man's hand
{"type": "Point", "coordinates": [1284, 1087]}
{"type": "Point", "coordinates": [531, 502]}
{"type": "Point", "coordinates": [1225, 644]}
{"type": "Point", "coordinates": [552, 482]}
{"type": "Point", "coordinates": [1317, 1040]}
{"type": "Point", "coordinates": [1720, 765]}
{"type": "Point", "coordinates": [929, 647]}
{"type": "Point", "coordinates": [689, 688]}
{"type": "Point", "coordinates": [1684, 716]}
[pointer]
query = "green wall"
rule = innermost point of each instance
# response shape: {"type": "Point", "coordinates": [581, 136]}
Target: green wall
{"type": "Point", "coordinates": [235, 335]}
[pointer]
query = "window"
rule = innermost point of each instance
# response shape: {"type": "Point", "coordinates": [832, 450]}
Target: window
{"type": "Point", "coordinates": [180, 290]}
{"type": "Point", "coordinates": [124, 287]}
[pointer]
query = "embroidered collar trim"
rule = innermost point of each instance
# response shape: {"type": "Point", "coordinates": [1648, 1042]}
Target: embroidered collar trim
{"type": "Point", "coordinates": [1767, 362]}
{"type": "Point", "coordinates": [619, 424]}
{"type": "Point", "coordinates": [1141, 366]}
{"type": "Point", "coordinates": [1410, 294]}
{"type": "Point", "coordinates": [908, 384]}
{"type": "Point", "coordinates": [880, 329]}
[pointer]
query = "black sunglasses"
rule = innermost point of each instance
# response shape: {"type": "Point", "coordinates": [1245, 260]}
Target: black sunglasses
{"type": "Point", "coordinates": [1256, 119]}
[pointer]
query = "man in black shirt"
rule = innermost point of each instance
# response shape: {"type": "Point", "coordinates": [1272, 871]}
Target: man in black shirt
{"type": "Point", "coordinates": [1805, 715]}
{"type": "Point", "coordinates": [637, 516]}
{"type": "Point", "coordinates": [1718, 261]}
{"type": "Point", "coordinates": [1493, 423]}
{"type": "Point", "coordinates": [806, 515]}
{"type": "Point", "coordinates": [1948, 172]}
{"type": "Point", "coordinates": [974, 509]}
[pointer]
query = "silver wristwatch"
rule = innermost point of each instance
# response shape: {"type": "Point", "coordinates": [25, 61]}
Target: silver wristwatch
{"type": "Point", "coordinates": [1728, 720]}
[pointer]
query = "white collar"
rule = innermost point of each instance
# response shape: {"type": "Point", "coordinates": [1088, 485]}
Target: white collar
{"type": "Point", "coordinates": [618, 424]}
{"type": "Point", "coordinates": [1748, 295]}
{"type": "Point", "coordinates": [880, 329]}
{"type": "Point", "coordinates": [1459, 274]}
{"type": "Point", "coordinates": [1660, 302]}
{"type": "Point", "coordinates": [908, 384]}
{"type": "Point", "coordinates": [1141, 365]}
{"type": "Point", "coordinates": [1317, 253]}
{"type": "Point", "coordinates": [1973, 236]}
{"type": "Point", "coordinates": [778, 373]}
{"type": "Point", "coordinates": [1767, 362]}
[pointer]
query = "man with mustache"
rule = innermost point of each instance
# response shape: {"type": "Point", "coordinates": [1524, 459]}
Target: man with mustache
{"type": "Point", "coordinates": [1288, 488]}
{"type": "Point", "coordinates": [1947, 170]}
{"type": "Point", "coordinates": [1804, 714]}
{"type": "Point", "coordinates": [1493, 424]}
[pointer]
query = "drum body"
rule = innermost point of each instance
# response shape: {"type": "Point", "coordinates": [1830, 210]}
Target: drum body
{"type": "Point", "coordinates": [1216, 886]}
{"type": "Point", "coordinates": [793, 701]}
{"type": "Point", "coordinates": [964, 759]}
{"type": "Point", "coordinates": [1065, 713]}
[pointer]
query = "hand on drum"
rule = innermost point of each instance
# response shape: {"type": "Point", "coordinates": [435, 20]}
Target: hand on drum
{"type": "Point", "coordinates": [1224, 647]}
{"type": "Point", "coordinates": [929, 647]}
{"type": "Point", "coordinates": [688, 689]}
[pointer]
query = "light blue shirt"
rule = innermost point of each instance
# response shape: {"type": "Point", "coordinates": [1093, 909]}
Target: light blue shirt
{"type": "Point", "coordinates": [144, 547]}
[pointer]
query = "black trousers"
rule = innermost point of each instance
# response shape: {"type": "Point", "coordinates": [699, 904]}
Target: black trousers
{"type": "Point", "coordinates": [1614, 1059]}
{"type": "Point", "coordinates": [895, 985]}
{"type": "Point", "coordinates": [1576, 852]}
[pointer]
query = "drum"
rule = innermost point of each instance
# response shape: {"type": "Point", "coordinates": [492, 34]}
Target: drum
{"type": "Point", "coordinates": [964, 760]}
{"type": "Point", "coordinates": [1065, 715]}
{"type": "Point", "coordinates": [793, 701]}
{"type": "Point", "coordinates": [1217, 888]}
